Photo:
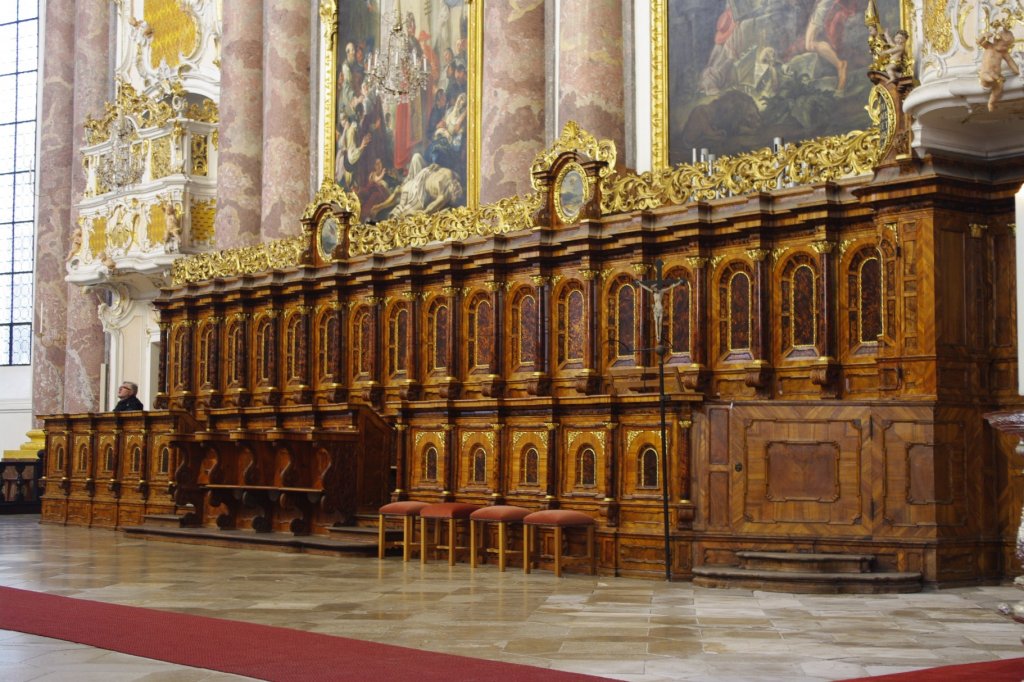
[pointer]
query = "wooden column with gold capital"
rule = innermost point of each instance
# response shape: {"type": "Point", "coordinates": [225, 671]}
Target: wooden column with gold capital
{"type": "Point", "coordinates": [240, 149]}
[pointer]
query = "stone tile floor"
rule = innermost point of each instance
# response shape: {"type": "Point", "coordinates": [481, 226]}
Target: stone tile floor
{"type": "Point", "coordinates": [621, 628]}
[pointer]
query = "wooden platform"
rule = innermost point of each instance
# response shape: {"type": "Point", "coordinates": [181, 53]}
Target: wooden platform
{"type": "Point", "coordinates": [346, 542]}
{"type": "Point", "coordinates": [807, 573]}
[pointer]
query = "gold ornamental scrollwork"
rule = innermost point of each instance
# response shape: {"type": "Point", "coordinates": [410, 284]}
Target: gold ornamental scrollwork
{"type": "Point", "coordinates": [144, 111]}
{"type": "Point", "coordinates": [574, 139]}
{"type": "Point", "coordinates": [938, 29]}
{"type": "Point", "coordinates": [819, 160]}
{"type": "Point", "coordinates": [246, 260]}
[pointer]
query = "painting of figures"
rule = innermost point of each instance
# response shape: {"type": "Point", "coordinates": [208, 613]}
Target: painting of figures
{"type": "Point", "coordinates": [744, 72]}
{"type": "Point", "coordinates": [402, 155]}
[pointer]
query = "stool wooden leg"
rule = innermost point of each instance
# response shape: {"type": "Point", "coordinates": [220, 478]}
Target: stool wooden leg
{"type": "Point", "coordinates": [527, 540]}
{"type": "Point", "coordinates": [472, 543]}
{"type": "Point", "coordinates": [501, 546]}
{"type": "Point", "coordinates": [423, 540]}
{"type": "Point", "coordinates": [380, 536]}
{"type": "Point", "coordinates": [558, 551]}
{"type": "Point", "coordinates": [408, 533]}
{"type": "Point", "coordinates": [591, 553]}
{"type": "Point", "coordinates": [451, 542]}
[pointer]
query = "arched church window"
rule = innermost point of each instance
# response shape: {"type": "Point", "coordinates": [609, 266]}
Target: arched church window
{"type": "Point", "coordinates": [530, 466]}
{"type": "Point", "coordinates": [622, 321]}
{"type": "Point", "coordinates": [479, 474]}
{"type": "Point", "coordinates": [647, 468]}
{"type": "Point", "coordinates": [481, 331]}
{"type": "Point", "coordinates": [437, 337]}
{"type": "Point", "coordinates": [677, 314]}
{"type": "Point", "coordinates": [799, 310]}
{"type": "Point", "coordinates": [524, 330]}
{"type": "Point", "coordinates": [327, 345]}
{"type": "Point", "coordinates": [571, 325]}
{"type": "Point", "coordinates": [864, 304]}
{"type": "Point", "coordinates": [362, 330]}
{"type": "Point", "coordinates": [586, 468]}
{"type": "Point", "coordinates": [735, 318]}
{"type": "Point", "coordinates": [430, 464]}
{"type": "Point", "coordinates": [398, 339]}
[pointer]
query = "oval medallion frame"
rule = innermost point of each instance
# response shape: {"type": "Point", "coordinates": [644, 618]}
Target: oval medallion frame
{"type": "Point", "coordinates": [572, 191]}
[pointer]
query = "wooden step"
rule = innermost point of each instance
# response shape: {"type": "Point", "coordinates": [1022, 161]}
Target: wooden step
{"type": "Point", "coordinates": [363, 533]}
{"type": "Point", "coordinates": [806, 582]}
{"type": "Point", "coordinates": [806, 562]}
{"type": "Point", "coordinates": [162, 520]}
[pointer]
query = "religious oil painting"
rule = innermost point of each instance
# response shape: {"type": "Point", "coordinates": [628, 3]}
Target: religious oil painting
{"type": "Point", "coordinates": [571, 193]}
{"type": "Point", "coordinates": [746, 74]}
{"type": "Point", "coordinates": [402, 109]}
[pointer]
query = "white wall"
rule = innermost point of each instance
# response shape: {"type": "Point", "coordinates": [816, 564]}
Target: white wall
{"type": "Point", "coordinates": [15, 406]}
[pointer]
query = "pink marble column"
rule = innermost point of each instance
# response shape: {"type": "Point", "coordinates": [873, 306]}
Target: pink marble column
{"type": "Point", "coordinates": [56, 155]}
{"type": "Point", "coordinates": [92, 89]}
{"type": "Point", "coordinates": [512, 116]}
{"type": "Point", "coordinates": [286, 116]}
{"type": "Point", "coordinates": [590, 78]}
{"type": "Point", "coordinates": [239, 185]}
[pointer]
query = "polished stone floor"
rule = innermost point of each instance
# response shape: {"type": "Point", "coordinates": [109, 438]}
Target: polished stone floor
{"type": "Point", "coordinates": [620, 628]}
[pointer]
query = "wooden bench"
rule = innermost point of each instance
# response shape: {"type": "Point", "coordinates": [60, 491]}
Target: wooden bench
{"type": "Point", "coordinates": [264, 498]}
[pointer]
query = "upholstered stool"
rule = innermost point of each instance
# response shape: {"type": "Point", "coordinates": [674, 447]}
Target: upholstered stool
{"type": "Point", "coordinates": [502, 514]}
{"type": "Point", "coordinates": [452, 512]}
{"type": "Point", "coordinates": [407, 511]}
{"type": "Point", "coordinates": [559, 520]}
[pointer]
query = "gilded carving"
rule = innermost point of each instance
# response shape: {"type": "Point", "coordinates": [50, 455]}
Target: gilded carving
{"type": "Point", "coordinates": [144, 111]}
{"type": "Point", "coordinates": [173, 29]}
{"type": "Point", "coordinates": [574, 139]}
{"type": "Point", "coordinates": [659, 84]}
{"type": "Point", "coordinates": [160, 157]}
{"type": "Point", "coordinates": [199, 155]}
{"type": "Point", "coordinates": [938, 29]}
{"type": "Point", "coordinates": [274, 255]}
{"type": "Point", "coordinates": [203, 213]}
{"type": "Point", "coordinates": [331, 193]}
{"type": "Point", "coordinates": [818, 160]}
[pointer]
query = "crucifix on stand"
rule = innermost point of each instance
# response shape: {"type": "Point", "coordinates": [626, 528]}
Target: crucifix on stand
{"type": "Point", "coordinates": [657, 288]}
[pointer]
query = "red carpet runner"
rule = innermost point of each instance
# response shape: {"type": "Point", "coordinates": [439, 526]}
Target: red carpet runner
{"type": "Point", "coordinates": [1008, 670]}
{"type": "Point", "coordinates": [259, 651]}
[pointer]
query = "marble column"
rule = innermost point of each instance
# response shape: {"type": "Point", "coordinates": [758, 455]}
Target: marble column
{"type": "Point", "coordinates": [286, 116]}
{"type": "Point", "coordinates": [590, 69]}
{"type": "Point", "coordinates": [56, 156]}
{"type": "Point", "coordinates": [512, 111]}
{"type": "Point", "coordinates": [239, 181]}
{"type": "Point", "coordinates": [93, 87]}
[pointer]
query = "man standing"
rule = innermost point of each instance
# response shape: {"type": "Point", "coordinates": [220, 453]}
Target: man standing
{"type": "Point", "coordinates": [126, 397]}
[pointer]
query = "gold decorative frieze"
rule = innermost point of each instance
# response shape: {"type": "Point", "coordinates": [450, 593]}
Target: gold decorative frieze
{"type": "Point", "coordinates": [247, 260]}
{"type": "Point", "coordinates": [818, 160]}
{"type": "Point", "coordinates": [507, 215]}
{"type": "Point", "coordinates": [697, 262]}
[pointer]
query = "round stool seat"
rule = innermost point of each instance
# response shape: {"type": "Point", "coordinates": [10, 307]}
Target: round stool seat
{"type": "Point", "coordinates": [505, 513]}
{"type": "Point", "coordinates": [563, 518]}
{"type": "Point", "coordinates": [404, 508]}
{"type": "Point", "coordinates": [448, 510]}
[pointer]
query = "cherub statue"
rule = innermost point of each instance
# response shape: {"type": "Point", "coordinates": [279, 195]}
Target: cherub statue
{"type": "Point", "coordinates": [996, 44]}
{"type": "Point", "coordinates": [172, 213]}
{"type": "Point", "coordinates": [896, 55]}
{"type": "Point", "coordinates": [76, 243]}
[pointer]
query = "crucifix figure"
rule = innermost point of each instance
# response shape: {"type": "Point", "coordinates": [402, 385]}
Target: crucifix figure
{"type": "Point", "coordinates": [657, 287]}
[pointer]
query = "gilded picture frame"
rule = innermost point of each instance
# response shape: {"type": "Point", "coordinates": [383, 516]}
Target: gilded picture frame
{"type": "Point", "coordinates": [712, 108]}
{"type": "Point", "coordinates": [379, 181]}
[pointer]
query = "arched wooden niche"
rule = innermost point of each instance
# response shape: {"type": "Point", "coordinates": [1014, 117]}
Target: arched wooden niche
{"type": "Point", "coordinates": [568, 177]}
